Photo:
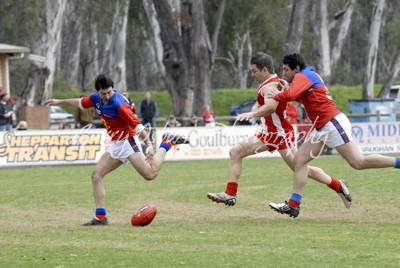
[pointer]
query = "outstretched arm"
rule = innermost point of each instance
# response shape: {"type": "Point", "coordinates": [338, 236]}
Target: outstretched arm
{"type": "Point", "coordinates": [68, 102]}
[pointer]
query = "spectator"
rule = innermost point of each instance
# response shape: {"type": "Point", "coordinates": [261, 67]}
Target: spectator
{"type": "Point", "coordinates": [6, 112]}
{"type": "Point", "coordinates": [208, 116]}
{"type": "Point", "coordinates": [83, 118]}
{"type": "Point", "coordinates": [22, 125]}
{"type": "Point", "coordinates": [63, 125]}
{"type": "Point", "coordinates": [147, 112]}
{"type": "Point", "coordinates": [194, 122]}
{"type": "Point", "coordinates": [172, 122]}
{"type": "Point", "coordinates": [292, 113]}
{"type": "Point", "coordinates": [131, 103]}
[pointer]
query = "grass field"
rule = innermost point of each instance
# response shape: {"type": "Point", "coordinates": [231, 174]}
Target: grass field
{"type": "Point", "coordinates": [41, 210]}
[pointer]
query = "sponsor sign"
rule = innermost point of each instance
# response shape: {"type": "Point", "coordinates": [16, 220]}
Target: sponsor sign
{"type": "Point", "coordinates": [209, 142]}
{"type": "Point", "coordinates": [50, 147]}
{"type": "Point", "coordinates": [85, 146]}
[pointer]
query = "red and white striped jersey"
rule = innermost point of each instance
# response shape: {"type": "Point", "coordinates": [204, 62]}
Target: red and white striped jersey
{"type": "Point", "coordinates": [276, 122]}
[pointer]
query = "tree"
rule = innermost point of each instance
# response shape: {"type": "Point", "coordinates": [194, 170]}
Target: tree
{"type": "Point", "coordinates": [40, 82]}
{"type": "Point", "coordinates": [71, 40]}
{"type": "Point", "coordinates": [325, 57]}
{"type": "Point", "coordinates": [115, 46]}
{"type": "Point", "coordinates": [294, 35]}
{"type": "Point", "coordinates": [187, 55]}
{"type": "Point", "coordinates": [373, 44]}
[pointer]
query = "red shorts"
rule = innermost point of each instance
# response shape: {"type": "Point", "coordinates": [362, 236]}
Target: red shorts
{"type": "Point", "coordinates": [276, 142]}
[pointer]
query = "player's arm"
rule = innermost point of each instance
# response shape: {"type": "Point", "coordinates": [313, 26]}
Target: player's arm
{"type": "Point", "coordinates": [68, 102]}
{"type": "Point", "coordinates": [300, 84]}
{"type": "Point", "coordinates": [144, 136]}
{"type": "Point", "coordinates": [127, 114]}
{"type": "Point", "coordinates": [268, 108]}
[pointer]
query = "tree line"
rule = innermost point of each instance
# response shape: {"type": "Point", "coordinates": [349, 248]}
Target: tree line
{"type": "Point", "coordinates": [189, 47]}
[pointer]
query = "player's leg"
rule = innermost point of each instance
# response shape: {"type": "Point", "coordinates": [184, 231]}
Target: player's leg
{"type": "Point", "coordinates": [105, 165]}
{"type": "Point", "coordinates": [317, 174]}
{"type": "Point", "coordinates": [243, 149]}
{"type": "Point", "coordinates": [150, 168]}
{"type": "Point", "coordinates": [356, 160]}
{"type": "Point", "coordinates": [341, 139]}
{"type": "Point", "coordinates": [314, 173]}
{"type": "Point", "coordinates": [304, 155]}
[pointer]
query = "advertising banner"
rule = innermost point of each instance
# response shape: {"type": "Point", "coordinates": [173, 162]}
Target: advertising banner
{"type": "Point", "coordinates": [85, 146]}
{"type": "Point", "coordinates": [52, 147]}
{"type": "Point", "coordinates": [210, 142]}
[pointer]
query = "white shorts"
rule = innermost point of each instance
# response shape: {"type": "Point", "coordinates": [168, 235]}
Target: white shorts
{"type": "Point", "coordinates": [335, 133]}
{"type": "Point", "coordinates": [121, 150]}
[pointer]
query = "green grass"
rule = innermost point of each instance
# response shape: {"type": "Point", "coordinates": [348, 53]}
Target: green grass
{"type": "Point", "coordinates": [42, 208]}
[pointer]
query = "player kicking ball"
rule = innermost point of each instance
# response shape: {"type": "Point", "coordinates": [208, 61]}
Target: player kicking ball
{"type": "Point", "coordinates": [123, 127]}
{"type": "Point", "coordinates": [276, 134]}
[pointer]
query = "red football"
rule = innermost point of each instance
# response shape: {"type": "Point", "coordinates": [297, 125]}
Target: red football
{"type": "Point", "coordinates": [144, 215]}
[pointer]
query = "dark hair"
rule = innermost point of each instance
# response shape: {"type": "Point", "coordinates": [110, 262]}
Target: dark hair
{"type": "Point", "coordinates": [293, 60]}
{"type": "Point", "coordinates": [103, 82]}
{"type": "Point", "coordinates": [262, 60]}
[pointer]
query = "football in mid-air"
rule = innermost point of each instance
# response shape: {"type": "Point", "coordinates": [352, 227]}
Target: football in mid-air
{"type": "Point", "coordinates": [144, 215]}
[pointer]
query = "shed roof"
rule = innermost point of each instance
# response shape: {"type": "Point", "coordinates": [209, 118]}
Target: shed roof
{"type": "Point", "coordinates": [5, 48]}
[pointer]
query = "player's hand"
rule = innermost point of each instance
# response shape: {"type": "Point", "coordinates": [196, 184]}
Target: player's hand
{"type": "Point", "coordinates": [149, 153]}
{"type": "Point", "coordinates": [245, 116]}
{"type": "Point", "coordinates": [271, 93]}
{"type": "Point", "coordinates": [283, 85]}
{"type": "Point", "coordinates": [52, 102]}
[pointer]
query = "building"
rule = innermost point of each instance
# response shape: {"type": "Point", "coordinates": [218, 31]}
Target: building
{"type": "Point", "coordinates": [9, 52]}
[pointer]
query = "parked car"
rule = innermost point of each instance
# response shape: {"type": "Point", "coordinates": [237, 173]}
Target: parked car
{"type": "Point", "coordinates": [244, 107]}
{"type": "Point", "coordinates": [59, 115]}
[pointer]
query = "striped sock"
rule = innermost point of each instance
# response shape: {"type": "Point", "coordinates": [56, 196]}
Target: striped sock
{"type": "Point", "coordinates": [295, 200]}
{"type": "Point", "coordinates": [101, 213]}
{"type": "Point", "coordinates": [166, 145]}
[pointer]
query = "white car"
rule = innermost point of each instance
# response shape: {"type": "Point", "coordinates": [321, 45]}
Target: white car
{"type": "Point", "coordinates": [59, 115]}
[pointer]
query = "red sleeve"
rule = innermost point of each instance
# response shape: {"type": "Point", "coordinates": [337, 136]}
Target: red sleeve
{"type": "Point", "coordinates": [86, 102]}
{"type": "Point", "coordinates": [299, 84]}
{"type": "Point", "coordinates": [126, 113]}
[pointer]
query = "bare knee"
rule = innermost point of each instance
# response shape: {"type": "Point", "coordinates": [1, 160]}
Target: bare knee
{"type": "Point", "coordinates": [298, 161]}
{"type": "Point", "coordinates": [236, 152]}
{"type": "Point", "coordinates": [356, 164]}
{"type": "Point", "coordinates": [96, 177]}
{"type": "Point", "coordinates": [149, 176]}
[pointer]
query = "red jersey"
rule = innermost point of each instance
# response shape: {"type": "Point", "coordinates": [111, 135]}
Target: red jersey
{"type": "Point", "coordinates": [308, 88]}
{"type": "Point", "coordinates": [117, 115]}
{"type": "Point", "coordinates": [276, 122]}
{"type": "Point", "coordinates": [208, 117]}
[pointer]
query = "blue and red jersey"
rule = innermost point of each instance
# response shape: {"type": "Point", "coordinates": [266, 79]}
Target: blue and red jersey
{"type": "Point", "coordinates": [308, 88]}
{"type": "Point", "coordinates": [117, 115]}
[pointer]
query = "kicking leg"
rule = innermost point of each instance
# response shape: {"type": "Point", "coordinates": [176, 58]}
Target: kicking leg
{"type": "Point", "coordinates": [245, 148]}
